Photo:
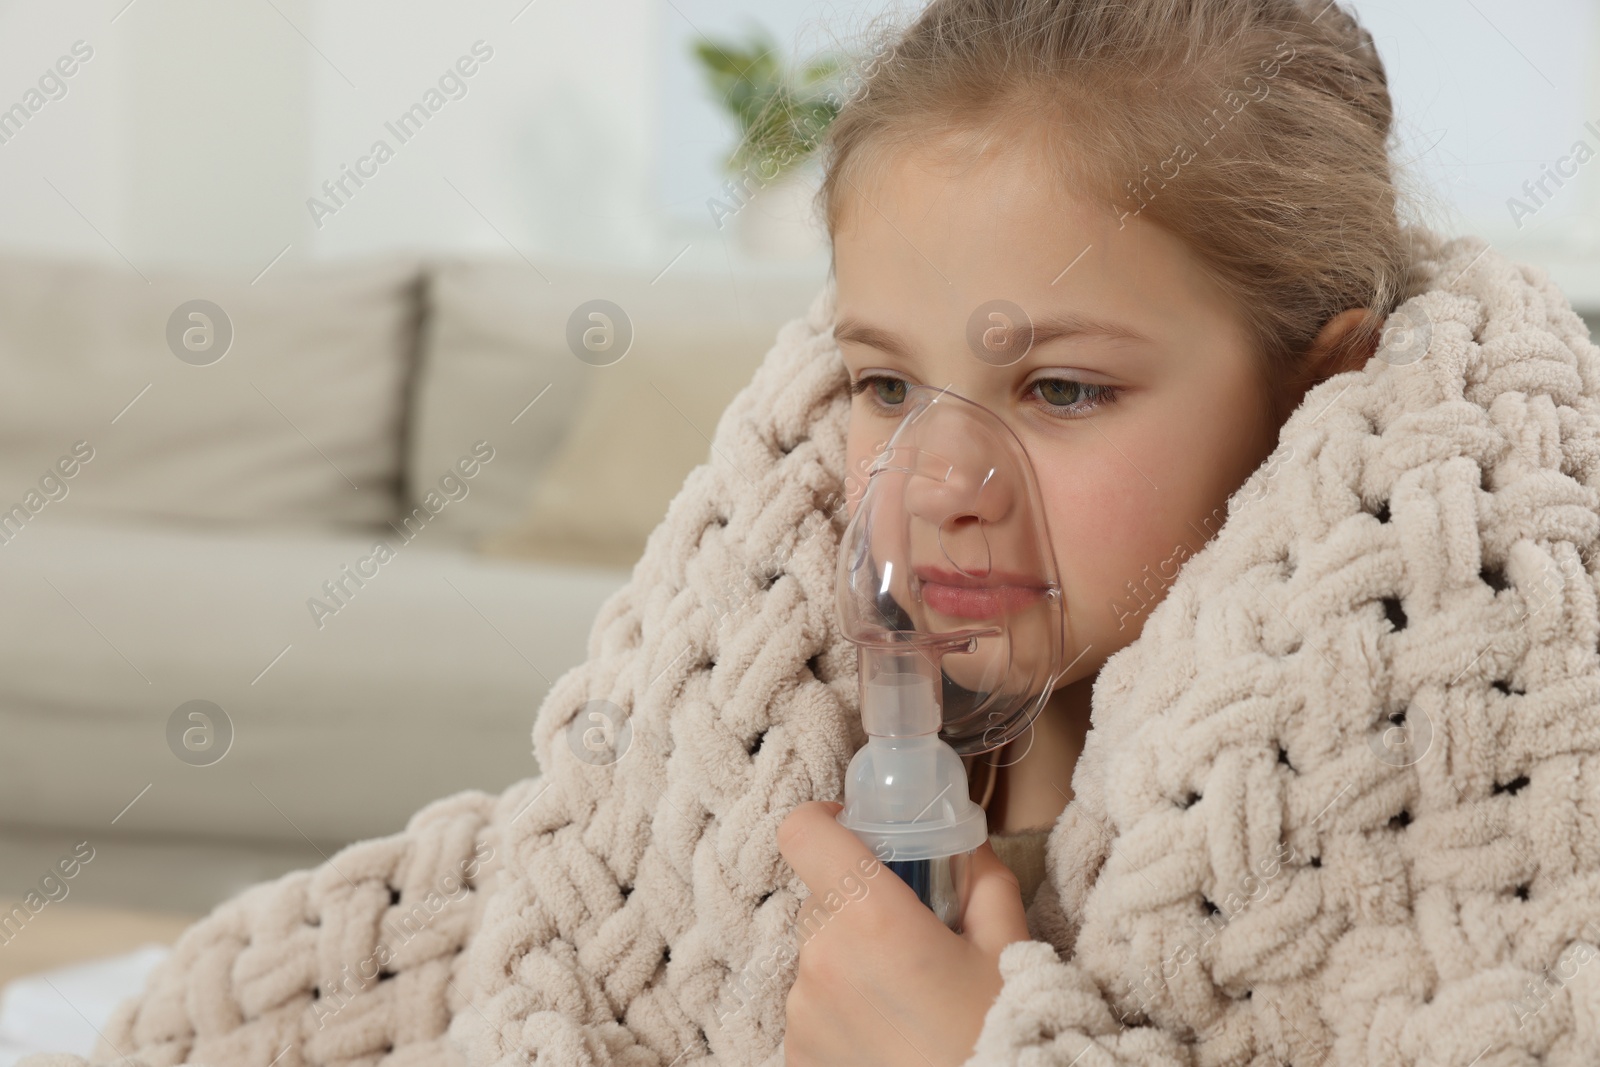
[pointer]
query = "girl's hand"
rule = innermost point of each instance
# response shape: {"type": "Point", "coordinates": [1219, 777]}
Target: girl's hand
{"type": "Point", "coordinates": [881, 981]}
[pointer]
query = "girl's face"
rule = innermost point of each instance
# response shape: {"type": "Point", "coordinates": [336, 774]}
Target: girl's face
{"type": "Point", "coordinates": [1140, 402]}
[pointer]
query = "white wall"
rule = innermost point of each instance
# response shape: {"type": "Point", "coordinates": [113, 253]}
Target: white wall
{"type": "Point", "coordinates": [199, 129]}
{"type": "Point", "coordinates": [74, 143]}
{"type": "Point", "coordinates": [1485, 95]}
{"type": "Point", "coordinates": [548, 152]}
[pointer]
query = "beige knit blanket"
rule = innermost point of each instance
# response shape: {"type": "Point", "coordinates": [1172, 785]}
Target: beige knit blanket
{"type": "Point", "coordinates": [1339, 805]}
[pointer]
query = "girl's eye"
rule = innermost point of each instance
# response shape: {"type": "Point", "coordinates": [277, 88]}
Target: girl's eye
{"type": "Point", "coordinates": [884, 399]}
{"type": "Point", "coordinates": [1059, 394]}
{"type": "Point", "coordinates": [1064, 398]}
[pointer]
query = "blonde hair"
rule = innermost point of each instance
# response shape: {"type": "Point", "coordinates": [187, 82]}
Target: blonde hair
{"type": "Point", "coordinates": [1257, 131]}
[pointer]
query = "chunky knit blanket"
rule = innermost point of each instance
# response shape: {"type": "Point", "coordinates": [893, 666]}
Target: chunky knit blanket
{"type": "Point", "coordinates": [1339, 804]}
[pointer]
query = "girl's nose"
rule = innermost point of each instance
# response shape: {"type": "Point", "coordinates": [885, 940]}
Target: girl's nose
{"type": "Point", "coordinates": [959, 490]}
{"type": "Point", "coordinates": [949, 487]}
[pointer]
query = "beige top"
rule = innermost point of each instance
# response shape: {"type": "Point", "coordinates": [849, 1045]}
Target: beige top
{"type": "Point", "coordinates": [1023, 852]}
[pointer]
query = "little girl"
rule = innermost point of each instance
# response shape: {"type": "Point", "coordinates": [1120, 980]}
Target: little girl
{"type": "Point", "coordinates": [1181, 215]}
{"type": "Point", "coordinates": [1324, 496]}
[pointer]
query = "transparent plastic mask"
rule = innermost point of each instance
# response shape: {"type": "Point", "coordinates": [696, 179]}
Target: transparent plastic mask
{"type": "Point", "coordinates": [946, 572]}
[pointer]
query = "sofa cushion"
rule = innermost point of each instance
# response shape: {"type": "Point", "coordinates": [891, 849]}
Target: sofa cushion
{"type": "Point", "coordinates": [297, 423]}
{"type": "Point", "coordinates": [423, 681]}
{"type": "Point", "coordinates": [586, 472]}
{"type": "Point", "coordinates": [484, 358]}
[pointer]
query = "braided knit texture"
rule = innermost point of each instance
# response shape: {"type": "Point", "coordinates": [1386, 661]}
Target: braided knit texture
{"type": "Point", "coordinates": [644, 887]}
{"type": "Point", "coordinates": [1338, 806]}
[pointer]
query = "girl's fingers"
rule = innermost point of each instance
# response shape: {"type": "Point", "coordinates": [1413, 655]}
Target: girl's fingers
{"type": "Point", "coordinates": [823, 853]}
{"type": "Point", "coordinates": [838, 868]}
{"type": "Point", "coordinates": [994, 917]}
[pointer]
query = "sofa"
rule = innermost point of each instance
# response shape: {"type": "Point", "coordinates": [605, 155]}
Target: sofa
{"type": "Point", "coordinates": [282, 560]}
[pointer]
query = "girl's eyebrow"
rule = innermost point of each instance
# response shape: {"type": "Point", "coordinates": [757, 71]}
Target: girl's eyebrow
{"type": "Point", "coordinates": [1049, 328]}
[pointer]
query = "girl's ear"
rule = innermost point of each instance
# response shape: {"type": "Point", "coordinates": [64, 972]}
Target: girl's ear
{"type": "Point", "coordinates": [1338, 346]}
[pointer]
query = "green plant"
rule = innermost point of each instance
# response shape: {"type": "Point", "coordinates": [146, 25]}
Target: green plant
{"type": "Point", "coordinates": [781, 111]}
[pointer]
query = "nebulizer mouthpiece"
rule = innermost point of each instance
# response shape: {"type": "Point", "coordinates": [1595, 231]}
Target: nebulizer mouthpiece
{"type": "Point", "coordinates": [947, 585]}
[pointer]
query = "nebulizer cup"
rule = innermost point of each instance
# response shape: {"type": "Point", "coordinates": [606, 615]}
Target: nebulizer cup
{"type": "Point", "coordinates": [947, 585]}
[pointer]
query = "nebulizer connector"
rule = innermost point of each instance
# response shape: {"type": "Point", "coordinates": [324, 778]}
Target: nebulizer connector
{"type": "Point", "coordinates": [947, 585]}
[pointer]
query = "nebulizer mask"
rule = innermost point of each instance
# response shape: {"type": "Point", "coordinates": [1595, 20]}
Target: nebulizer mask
{"type": "Point", "coordinates": [947, 585]}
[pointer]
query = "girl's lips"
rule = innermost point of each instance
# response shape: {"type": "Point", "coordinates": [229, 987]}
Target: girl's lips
{"type": "Point", "coordinates": [968, 598]}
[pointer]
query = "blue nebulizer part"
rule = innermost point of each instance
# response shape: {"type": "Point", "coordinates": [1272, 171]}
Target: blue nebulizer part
{"type": "Point", "coordinates": [947, 585]}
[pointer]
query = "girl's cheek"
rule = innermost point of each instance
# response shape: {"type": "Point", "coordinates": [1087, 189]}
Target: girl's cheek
{"type": "Point", "coordinates": [856, 459]}
{"type": "Point", "coordinates": [1093, 568]}
{"type": "Point", "coordinates": [1106, 536]}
